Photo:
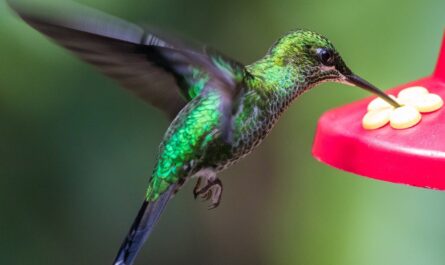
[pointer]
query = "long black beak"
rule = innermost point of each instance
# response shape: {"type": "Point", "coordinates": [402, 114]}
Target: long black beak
{"type": "Point", "coordinates": [360, 82]}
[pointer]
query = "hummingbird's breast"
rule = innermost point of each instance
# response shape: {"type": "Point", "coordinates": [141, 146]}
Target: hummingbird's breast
{"type": "Point", "coordinates": [253, 121]}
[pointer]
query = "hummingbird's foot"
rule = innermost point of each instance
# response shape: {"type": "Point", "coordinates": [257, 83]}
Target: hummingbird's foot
{"type": "Point", "coordinates": [211, 190]}
{"type": "Point", "coordinates": [198, 187]}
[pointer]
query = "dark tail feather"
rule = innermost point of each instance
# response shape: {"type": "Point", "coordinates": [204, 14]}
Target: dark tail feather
{"type": "Point", "coordinates": [142, 226]}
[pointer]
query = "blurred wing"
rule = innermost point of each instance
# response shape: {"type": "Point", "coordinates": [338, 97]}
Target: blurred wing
{"type": "Point", "coordinates": [166, 74]}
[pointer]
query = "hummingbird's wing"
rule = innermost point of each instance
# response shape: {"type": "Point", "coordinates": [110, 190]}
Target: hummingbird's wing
{"type": "Point", "coordinates": [165, 73]}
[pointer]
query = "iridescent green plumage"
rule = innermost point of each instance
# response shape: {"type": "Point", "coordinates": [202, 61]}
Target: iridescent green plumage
{"type": "Point", "coordinates": [185, 140]}
{"type": "Point", "coordinates": [221, 108]}
{"type": "Point", "coordinates": [268, 85]}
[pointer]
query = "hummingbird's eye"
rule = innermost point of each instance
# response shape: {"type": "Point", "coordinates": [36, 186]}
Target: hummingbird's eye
{"type": "Point", "coordinates": [326, 56]}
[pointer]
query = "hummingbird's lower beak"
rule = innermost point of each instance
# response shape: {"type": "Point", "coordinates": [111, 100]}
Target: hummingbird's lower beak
{"type": "Point", "coordinates": [355, 80]}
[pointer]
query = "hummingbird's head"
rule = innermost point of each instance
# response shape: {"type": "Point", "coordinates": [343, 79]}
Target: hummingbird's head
{"type": "Point", "coordinates": [316, 61]}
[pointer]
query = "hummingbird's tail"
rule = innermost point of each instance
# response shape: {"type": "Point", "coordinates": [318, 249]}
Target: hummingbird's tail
{"type": "Point", "coordinates": [142, 226]}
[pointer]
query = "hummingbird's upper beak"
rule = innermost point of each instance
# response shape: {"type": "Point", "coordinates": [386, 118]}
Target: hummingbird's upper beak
{"type": "Point", "coordinates": [355, 80]}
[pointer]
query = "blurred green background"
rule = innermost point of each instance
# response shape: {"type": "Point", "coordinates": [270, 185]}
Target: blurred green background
{"type": "Point", "coordinates": [76, 150]}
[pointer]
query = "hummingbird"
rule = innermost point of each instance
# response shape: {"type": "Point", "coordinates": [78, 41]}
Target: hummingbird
{"type": "Point", "coordinates": [220, 109]}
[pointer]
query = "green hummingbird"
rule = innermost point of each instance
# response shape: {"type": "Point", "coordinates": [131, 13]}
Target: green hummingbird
{"type": "Point", "coordinates": [220, 108]}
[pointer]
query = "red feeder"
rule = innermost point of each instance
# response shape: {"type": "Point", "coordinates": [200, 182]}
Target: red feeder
{"type": "Point", "coordinates": [414, 156]}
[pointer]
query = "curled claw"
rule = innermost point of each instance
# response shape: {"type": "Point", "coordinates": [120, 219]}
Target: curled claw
{"type": "Point", "coordinates": [206, 196]}
{"type": "Point", "coordinates": [197, 188]}
{"type": "Point", "coordinates": [212, 190]}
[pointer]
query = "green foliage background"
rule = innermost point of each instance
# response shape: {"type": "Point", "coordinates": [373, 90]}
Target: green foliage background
{"type": "Point", "coordinates": [76, 151]}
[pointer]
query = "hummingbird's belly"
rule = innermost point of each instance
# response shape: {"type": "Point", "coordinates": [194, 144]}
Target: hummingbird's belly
{"type": "Point", "coordinates": [248, 134]}
{"type": "Point", "coordinates": [252, 123]}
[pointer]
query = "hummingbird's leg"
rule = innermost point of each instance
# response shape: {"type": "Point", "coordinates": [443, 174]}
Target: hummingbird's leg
{"type": "Point", "coordinates": [208, 187]}
{"type": "Point", "coordinates": [200, 184]}
{"type": "Point", "coordinates": [204, 175]}
{"type": "Point", "coordinates": [196, 188]}
{"type": "Point", "coordinates": [211, 191]}
{"type": "Point", "coordinates": [215, 190]}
